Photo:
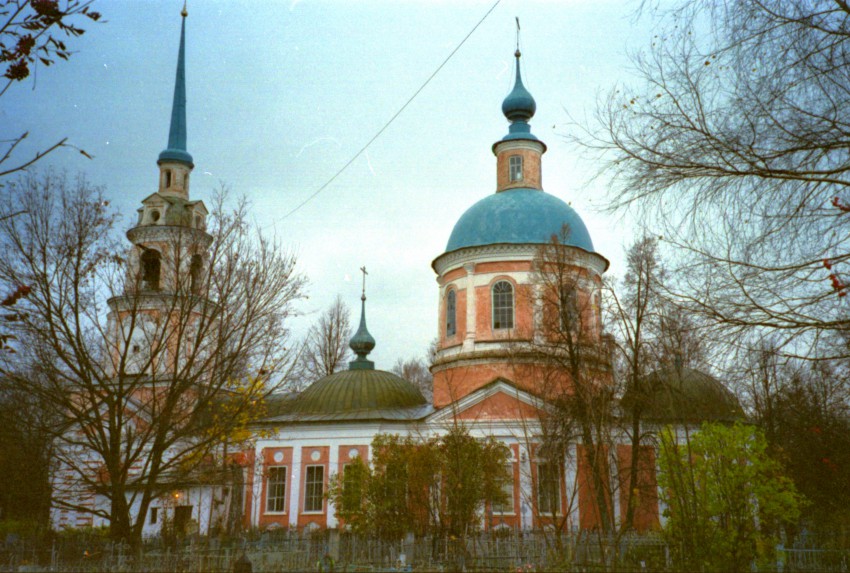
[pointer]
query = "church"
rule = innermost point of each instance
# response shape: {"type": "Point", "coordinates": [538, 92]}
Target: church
{"type": "Point", "coordinates": [491, 313]}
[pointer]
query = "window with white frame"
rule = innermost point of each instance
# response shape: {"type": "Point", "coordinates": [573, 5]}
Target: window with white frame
{"type": "Point", "coordinates": [276, 490]}
{"type": "Point", "coordinates": [515, 163]}
{"type": "Point", "coordinates": [548, 489]}
{"type": "Point", "coordinates": [314, 488]}
{"type": "Point", "coordinates": [503, 305]}
{"type": "Point", "coordinates": [451, 313]}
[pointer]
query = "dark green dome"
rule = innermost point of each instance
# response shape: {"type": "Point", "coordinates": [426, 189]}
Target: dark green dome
{"type": "Point", "coordinates": [684, 395]}
{"type": "Point", "coordinates": [353, 391]}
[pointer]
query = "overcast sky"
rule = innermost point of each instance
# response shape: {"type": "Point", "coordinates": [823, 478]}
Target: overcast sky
{"type": "Point", "coordinates": [282, 94]}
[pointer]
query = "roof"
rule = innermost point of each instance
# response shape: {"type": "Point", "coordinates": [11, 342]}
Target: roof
{"type": "Point", "coordinates": [359, 394]}
{"type": "Point", "coordinates": [679, 395]}
{"type": "Point", "coordinates": [519, 216]}
{"type": "Point", "coordinates": [176, 150]}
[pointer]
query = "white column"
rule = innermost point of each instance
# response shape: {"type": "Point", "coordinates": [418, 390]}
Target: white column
{"type": "Point", "coordinates": [571, 482]}
{"type": "Point", "coordinates": [526, 489]}
{"type": "Point", "coordinates": [469, 338]}
{"type": "Point", "coordinates": [333, 467]}
{"type": "Point", "coordinates": [294, 484]}
{"type": "Point", "coordinates": [257, 493]}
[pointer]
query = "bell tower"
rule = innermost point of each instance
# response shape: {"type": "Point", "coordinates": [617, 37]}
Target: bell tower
{"type": "Point", "coordinates": [167, 261]}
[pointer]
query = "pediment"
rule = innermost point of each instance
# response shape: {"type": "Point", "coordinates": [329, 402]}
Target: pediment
{"type": "Point", "coordinates": [499, 400]}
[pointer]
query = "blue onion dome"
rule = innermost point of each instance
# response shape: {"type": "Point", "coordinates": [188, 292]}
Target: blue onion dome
{"type": "Point", "coordinates": [519, 216]}
{"type": "Point", "coordinates": [519, 105]}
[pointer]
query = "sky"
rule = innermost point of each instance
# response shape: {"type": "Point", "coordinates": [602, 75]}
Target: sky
{"type": "Point", "coordinates": [281, 95]}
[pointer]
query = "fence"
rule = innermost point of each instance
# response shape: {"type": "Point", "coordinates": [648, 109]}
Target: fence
{"type": "Point", "coordinates": [289, 551]}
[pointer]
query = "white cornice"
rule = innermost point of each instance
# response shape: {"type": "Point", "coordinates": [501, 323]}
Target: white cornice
{"type": "Point", "coordinates": [511, 252]}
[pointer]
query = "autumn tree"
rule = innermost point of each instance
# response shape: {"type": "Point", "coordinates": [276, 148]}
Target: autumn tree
{"type": "Point", "coordinates": [146, 400]}
{"type": "Point", "coordinates": [26, 456]}
{"type": "Point", "coordinates": [804, 411]}
{"type": "Point", "coordinates": [731, 142]}
{"type": "Point", "coordinates": [325, 349]}
{"type": "Point", "coordinates": [725, 497]}
{"type": "Point", "coordinates": [33, 33]}
{"type": "Point", "coordinates": [437, 486]}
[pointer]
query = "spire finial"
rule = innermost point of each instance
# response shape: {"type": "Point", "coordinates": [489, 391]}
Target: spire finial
{"type": "Point", "coordinates": [519, 106]}
{"type": "Point", "coordinates": [517, 54]}
{"type": "Point", "coordinates": [176, 150]}
{"type": "Point", "coordinates": [362, 342]}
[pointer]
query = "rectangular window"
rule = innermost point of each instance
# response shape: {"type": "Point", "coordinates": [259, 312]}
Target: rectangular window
{"type": "Point", "coordinates": [314, 488]}
{"type": "Point", "coordinates": [548, 489]}
{"type": "Point", "coordinates": [154, 514]}
{"type": "Point", "coordinates": [516, 167]}
{"type": "Point", "coordinates": [276, 490]}
{"type": "Point", "coordinates": [508, 489]}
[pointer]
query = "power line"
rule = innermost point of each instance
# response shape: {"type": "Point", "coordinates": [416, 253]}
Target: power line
{"type": "Point", "coordinates": [391, 120]}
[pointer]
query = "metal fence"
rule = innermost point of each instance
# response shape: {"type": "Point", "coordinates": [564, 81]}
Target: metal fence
{"type": "Point", "coordinates": [325, 551]}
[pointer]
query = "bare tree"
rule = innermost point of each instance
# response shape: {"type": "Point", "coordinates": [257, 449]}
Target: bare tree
{"type": "Point", "coordinates": [416, 371]}
{"type": "Point", "coordinates": [635, 318]}
{"type": "Point", "coordinates": [32, 33]}
{"type": "Point", "coordinates": [733, 144]}
{"type": "Point", "coordinates": [325, 349]}
{"type": "Point", "coordinates": [155, 364]}
{"type": "Point", "coordinates": [576, 377]}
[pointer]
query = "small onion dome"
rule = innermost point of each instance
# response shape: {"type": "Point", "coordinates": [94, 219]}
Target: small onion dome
{"type": "Point", "coordinates": [362, 342]}
{"type": "Point", "coordinates": [519, 105]}
{"type": "Point", "coordinates": [683, 395]}
{"type": "Point", "coordinates": [357, 391]}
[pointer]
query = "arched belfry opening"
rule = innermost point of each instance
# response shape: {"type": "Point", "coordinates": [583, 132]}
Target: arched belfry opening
{"type": "Point", "coordinates": [151, 267]}
{"type": "Point", "coordinates": [196, 269]}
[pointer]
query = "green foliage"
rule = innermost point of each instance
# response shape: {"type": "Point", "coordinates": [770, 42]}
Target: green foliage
{"type": "Point", "coordinates": [439, 485]}
{"type": "Point", "coordinates": [725, 497]}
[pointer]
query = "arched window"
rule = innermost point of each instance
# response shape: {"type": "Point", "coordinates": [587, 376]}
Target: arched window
{"type": "Point", "coordinates": [568, 310]}
{"type": "Point", "coordinates": [195, 269]}
{"type": "Point", "coordinates": [150, 262]}
{"type": "Point", "coordinates": [167, 178]}
{"type": "Point", "coordinates": [451, 313]}
{"type": "Point", "coordinates": [503, 305]}
{"type": "Point", "coordinates": [515, 163]}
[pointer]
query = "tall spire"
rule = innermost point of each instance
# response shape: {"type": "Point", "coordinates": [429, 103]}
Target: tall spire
{"type": "Point", "coordinates": [362, 342]}
{"type": "Point", "coordinates": [176, 150]}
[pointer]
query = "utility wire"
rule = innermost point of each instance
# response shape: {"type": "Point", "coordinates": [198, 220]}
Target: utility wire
{"type": "Point", "coordinates": [391, 120]}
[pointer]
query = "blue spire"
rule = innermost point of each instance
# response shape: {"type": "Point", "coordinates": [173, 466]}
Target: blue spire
{"type": "Point", "coordinates": [519, 107]}
{"type": "Point", "coordinates": [176, 150]}
{"type": "Point", "coordinates": [362, 342]}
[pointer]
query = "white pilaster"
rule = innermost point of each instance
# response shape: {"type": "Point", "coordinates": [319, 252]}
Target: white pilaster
{"type": "Point", "coordinates": [295, 486]}
{"type": "Point", "coordinates": [469, 338]}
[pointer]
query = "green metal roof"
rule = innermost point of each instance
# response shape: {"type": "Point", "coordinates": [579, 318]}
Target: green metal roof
{"type": "Point", "coordinates": [353, 391]}
{"type": "Point", "coordinates": [680, 395]}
